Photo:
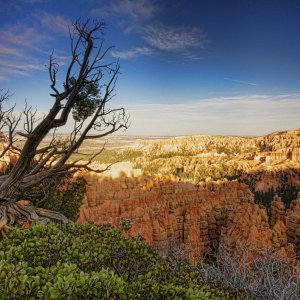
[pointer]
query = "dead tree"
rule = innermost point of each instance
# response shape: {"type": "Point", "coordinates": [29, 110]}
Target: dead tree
{"type": "Point", "coordinates": [262, 273]}
{"type": "Point", "coordinates": [88, 86]}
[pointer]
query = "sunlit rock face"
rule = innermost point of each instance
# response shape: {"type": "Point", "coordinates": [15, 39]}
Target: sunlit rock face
{"type": "Point", "coordinates": [277, 146]}
{"type": "Point", "coordinates": [202, 216]}
{"type": "Point", "coordinates": [209, 214]}
{"type": "Point", "coordinates": [250, 230]}
{"type": "Point", "coordinates": [163, 208]}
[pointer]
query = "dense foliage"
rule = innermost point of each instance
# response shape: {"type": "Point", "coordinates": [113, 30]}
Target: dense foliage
{"type": "Point", "coordinates": [65, 196]}
{"type": "Point", "coordinates": [287, 187]}
{"type": "Point", "coordinates": [68, 198]}
{"type": "Point", "coordinates": [86, 100]}
{"type": "Point", "coordinates": [89, 262]}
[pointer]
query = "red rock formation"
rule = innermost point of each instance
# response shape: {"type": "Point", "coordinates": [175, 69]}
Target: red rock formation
{"type": "Point", "coordinates": [200, 216]}
{"type": "Point", "coordinates": [277, 210]}
{"type": "Point", "coordinates": [249, 229]}
{"type": "Point", "coordinates": [293, 223]}
{"type": "Point", "coordinates": [161, 208]}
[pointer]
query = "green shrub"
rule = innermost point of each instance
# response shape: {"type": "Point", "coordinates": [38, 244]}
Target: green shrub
{"type": "Point", "coordinates": [65, 195]}
{"type": "Point", "coordinates": [89, 262]}
{"type": "Point", "coordinates": [68, 199]}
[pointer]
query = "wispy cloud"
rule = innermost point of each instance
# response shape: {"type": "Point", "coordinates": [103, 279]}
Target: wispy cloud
{"type": "Point", "coordinates": [3, 78]}
{"type": "Point", "coordinates": [241, 81]}
{"type": "Point", "coordinates": [21, 66]}
{"type": "Point", "coordinates": [132, 53]}
{"type": "Point", "coordinates": [22, 35]}
{"type": "Point", "coordinates": [137, 10]}
{"type": "Point", "coordinates": [139, 17]}
{"type": "Point", "coordinates": [10, 51]}
{"type": "Point", "coordinates": [18, 45]}
{"type": "Point", "coordinates": [239, 115]}
{"type": "Point", "coordinates": [178, 39]}
{"type": "Point", "coordinates": [18, 67]}
{"type": "Point", "coordinates": [57, 23]}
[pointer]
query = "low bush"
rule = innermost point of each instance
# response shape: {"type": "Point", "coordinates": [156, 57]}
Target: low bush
{"type": "Point", "coordinates": [68, 199]}
{"type": "Point", "coordinates": [91, 262]}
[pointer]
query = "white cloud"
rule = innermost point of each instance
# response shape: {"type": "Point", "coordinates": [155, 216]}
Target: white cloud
{"type": "Point", "coordinates": [55, 23]}
{"type": "Point", "coordinates": [239, 115]}
{"type": "Point", "coordinates": [18, 45]}
{"type": "Point", "coordinates": [241, 81]}
{"type": "Point", "coordinates": [132, 53]}
{"type": "Point", "coordinates": [137, 10]}
{"type": "Point", "coordinates": [3, 78]}
{"type": "Point", "coordinates": [8, 50]}
{"type": "Point", "coordinates": [22, 35]}
{"type": "Point", "coordinates": [134, 15]}
{"type": "Point", "coordinates": [21, 66]}
{"type": "Point", "coordinates": [11, 67]}
{"type": "Point", "coordinates": [174, 39]}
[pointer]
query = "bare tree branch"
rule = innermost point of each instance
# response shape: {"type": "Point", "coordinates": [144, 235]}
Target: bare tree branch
{"type": "Point", "coordinates": [83, 97]}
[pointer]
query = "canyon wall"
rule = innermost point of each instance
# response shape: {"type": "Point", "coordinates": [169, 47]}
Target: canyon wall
{"type": "Point", "coordinates": [250, 228]}
{"type": "Point", "coordinates": [203, 216]}
{"type": "Point", "coordinates": [278, 146]}
{"type": "Point", "coordinates": [163, 208]}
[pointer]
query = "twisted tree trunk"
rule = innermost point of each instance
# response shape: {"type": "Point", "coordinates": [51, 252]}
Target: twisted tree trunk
{"type": "Point", "coordinates": [36, 165]}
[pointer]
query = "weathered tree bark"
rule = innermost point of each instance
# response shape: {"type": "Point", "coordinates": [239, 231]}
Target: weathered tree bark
{"type": "Point", "coordinates": [36, 164]}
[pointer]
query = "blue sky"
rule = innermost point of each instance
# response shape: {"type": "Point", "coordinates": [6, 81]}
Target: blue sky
{"type": "Point", "coordinates": [188, 67]}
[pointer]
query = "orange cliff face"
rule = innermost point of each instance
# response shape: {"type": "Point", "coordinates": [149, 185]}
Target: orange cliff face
{"type": "Point", "coordinates": [249, 229]}
{"type": "Point", "coordinates": [162, 208]}
{"type": "Point", "coordinates": [202, 217]}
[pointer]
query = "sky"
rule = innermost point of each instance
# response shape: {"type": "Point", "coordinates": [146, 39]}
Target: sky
{"type": "Point", "coordinates": [219, 67]}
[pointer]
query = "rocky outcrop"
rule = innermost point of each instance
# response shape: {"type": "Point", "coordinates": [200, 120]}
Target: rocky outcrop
{"type": "Point", "coordinates": [293, 223]}
{"type": "Point", "coordinates": [198, 144]}
{"type": "Point", "coordinates": [278, 146]}
{"type": "Point", "coordinates": [295, 155]}
{"type": "Point", "coordinates": [202, 216]}
{"type": "Point", "coordinates": [163, 208]}
{"type": "Point", "coordinates": [277, 211]}
{"type": "Point", "coordinates": [205, 158]}
{"type": "Point", "coordinates": [277, 180]}
{"type": "Point", "coordinates": [279, 141]}
{"type": "Point", "coordinates": [249, 230]}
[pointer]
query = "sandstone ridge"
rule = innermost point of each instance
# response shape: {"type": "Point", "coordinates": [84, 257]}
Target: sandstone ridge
{"type": "Point", "coordinates": [199, 216]}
